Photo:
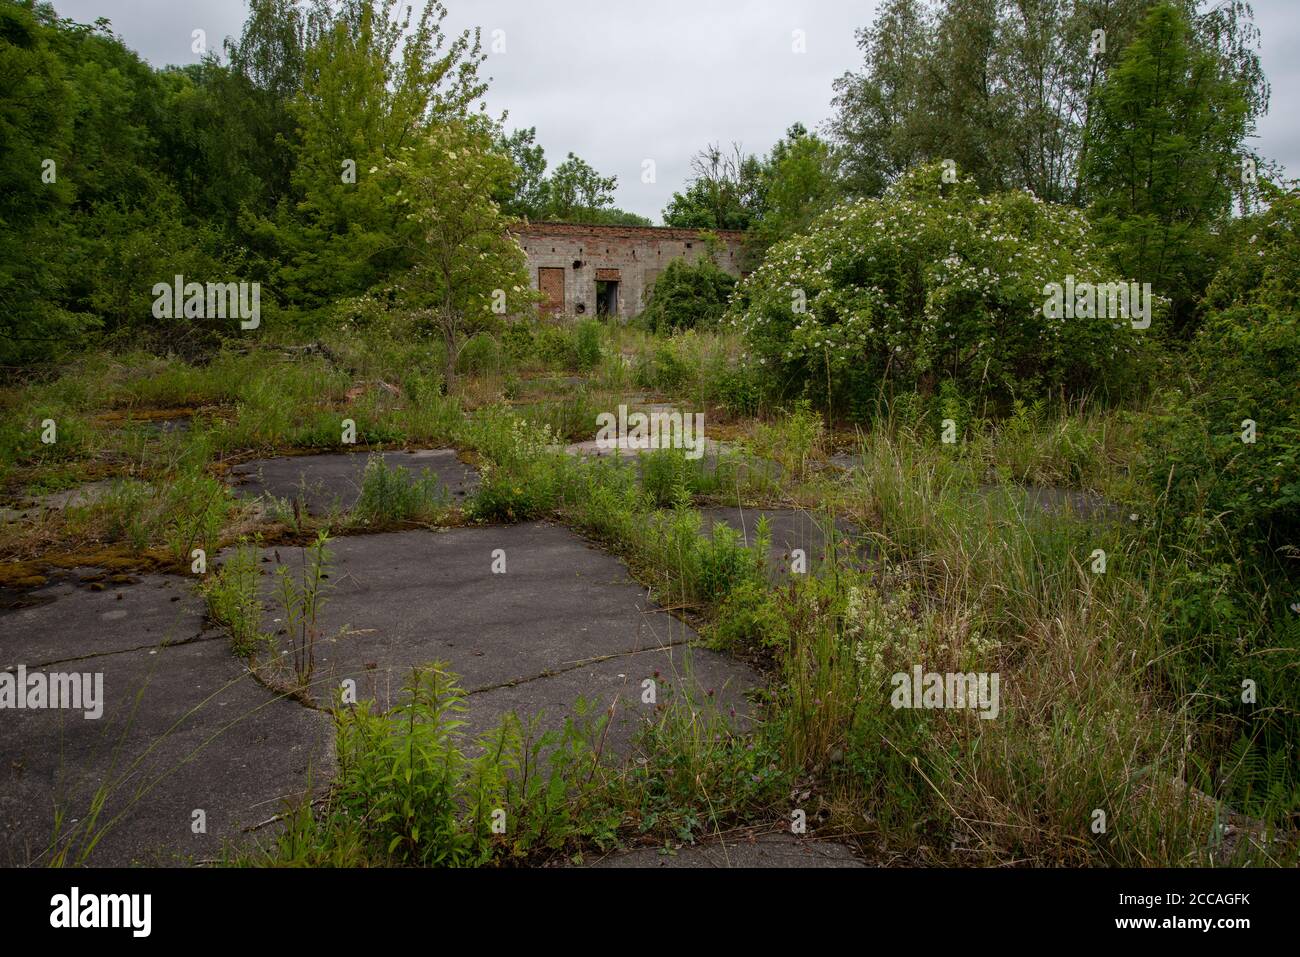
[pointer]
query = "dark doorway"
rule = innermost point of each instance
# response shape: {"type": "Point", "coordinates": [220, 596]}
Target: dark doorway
{"type": "Point", "coordinates": [606, 297]}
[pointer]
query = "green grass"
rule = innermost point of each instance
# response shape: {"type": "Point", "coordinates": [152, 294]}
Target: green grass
{"type": "Point", "coordinates": [1114, 697]}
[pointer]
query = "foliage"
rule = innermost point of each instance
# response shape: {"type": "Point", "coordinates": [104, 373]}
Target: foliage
{"type": "Point", "coordinates": [723, 192]}
{"type": "Point", "coordinates": [575, 189]}
{"type": "Point", "coordinates": [688, 295]}
{"type": "Point", "coordinates": [233, 599]}
{"type": "Point", "coordinates": [1163, 154]}
{"type": "Point", "coordinates": [1005, 91]}
{"type": "Point", "coordinates": [798, 183]}
{"type": "Point", "coordinates": [301, 602]}
{"type": "Point", "coordinates": [391, 495]}
{"type": "Point", "coordinates": [467, 271]}
{"type": "Point", "coordinates": [931, 282]}
{"type": "Point", "coordinates": [401, 776]}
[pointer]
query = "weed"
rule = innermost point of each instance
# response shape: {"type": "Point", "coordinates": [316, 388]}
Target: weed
{"type": "Point", "coordinates": [233, 600]}
{"type": "Point", "coordinates": [301, 603]}
{"type": "Point", "coordinates": [390, 495]}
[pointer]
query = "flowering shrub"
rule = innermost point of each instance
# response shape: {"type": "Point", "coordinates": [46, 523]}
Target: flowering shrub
{"type": "Point", "coordinates": [932, 282]}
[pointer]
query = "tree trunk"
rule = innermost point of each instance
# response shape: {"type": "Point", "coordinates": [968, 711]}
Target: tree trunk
{"type": "Point", "coordinates": [449, 365]}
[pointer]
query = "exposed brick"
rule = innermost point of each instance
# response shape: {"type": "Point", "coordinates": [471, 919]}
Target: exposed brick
{"type": "Point", "coordinates": [633, 256]}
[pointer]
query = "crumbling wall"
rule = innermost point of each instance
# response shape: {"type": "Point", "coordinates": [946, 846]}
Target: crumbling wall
{"type": "Point", "coordinates": [633, 256]}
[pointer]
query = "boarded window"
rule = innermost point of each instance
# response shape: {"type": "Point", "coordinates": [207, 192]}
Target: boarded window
{"type": "Point", "coordinates": [550, 282]}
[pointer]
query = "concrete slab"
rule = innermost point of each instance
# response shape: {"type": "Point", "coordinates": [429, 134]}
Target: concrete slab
{"type": "Point", "coordinates": [707, 682]}
{"type": "Point", "coordinates": [765, 851]}
{"type": "Point", "coordinates": [334, 479]}
{"type": "Point", "coordinates": [790, 529]}
{"type": "Point", "coordinates": [31, 507]}
{"type": "Point", "coordinates": [1086, 505]}
{"type": "Point", "coordinates": [65, 621]}
{"type": "Point", "coordinates": [184, 728]}
{"type": "Point", "coordinates": [564, 620]}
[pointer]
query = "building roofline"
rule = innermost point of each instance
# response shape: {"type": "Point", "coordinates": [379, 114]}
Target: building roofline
{"type": "Point", "coordinates": [544, 226]}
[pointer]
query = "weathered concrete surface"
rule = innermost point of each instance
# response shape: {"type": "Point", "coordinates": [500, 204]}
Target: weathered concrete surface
{"type": "Point", "coordinates": [765, 851]}
{"type": "Point", "coordinates": [31, 507]}
{"type": "Point", "coordinates": [710, 684]}
{"type": "Point", "coordinates": [68, 622]}
{"type": "Point", "coordinates": [334, 479]}
{"type": "Point", "coordinates": [790, 529]}
{"type": "Point", "coordinates": [184, 728]}
{"type": "Point", "coordinates": [564, 620]}
{"type": "Point", "coordinates": [1057, 501]}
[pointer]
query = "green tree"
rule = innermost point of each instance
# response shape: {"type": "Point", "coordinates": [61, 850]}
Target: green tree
{"type": "Point", "coordinates": [35, 126]}
{"type": "Point", "coordinates": [374, 83]}
{"type": "Point", "coordinates": [577, 191]}
{"type": "Point", "coordinates": [881, 113]}
{"type": "Point", "coordinates": [1164, 156]}
{"type": "Point", "coordinates": [528, 193]}
{"type": "Point", "coordinates": [798, 184]}
{"type": "Point", "coordinates": [1005, 90]}
{"type": "Point", "coordinates": [466, 270]}
{"type": "Point", "coordinates": [723, 192]}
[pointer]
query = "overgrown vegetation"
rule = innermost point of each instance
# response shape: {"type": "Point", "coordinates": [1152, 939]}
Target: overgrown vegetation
{"type": "Point", "coordinates": [1103, 515]}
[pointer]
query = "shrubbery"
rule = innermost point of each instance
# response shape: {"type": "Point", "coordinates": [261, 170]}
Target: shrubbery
{"type": "Point", "coordinates": [930, 283]}
{"type": "Point", "coordinates": [688, 296]}
{"type": "Point", "coordinates": [1244, 365]}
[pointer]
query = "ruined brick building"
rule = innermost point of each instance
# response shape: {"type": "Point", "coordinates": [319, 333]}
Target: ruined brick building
{"type": "Point", "coordinates": [610, 270]}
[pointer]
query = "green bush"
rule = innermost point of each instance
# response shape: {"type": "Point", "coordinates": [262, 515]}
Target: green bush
{"type": "Point", "coordinates": [932, 282]}
{"type": "Point", "coordinates": [1232, 505]}
{"type": "Point", "coordinates": [233, 599]}
{"type": "Point", "coordinates": [479, 354]}
{"type": "Point", "coordinates": [405, 776]}
{"type": "Point", "coordinates": [1244, 365]}
{"type": "Point", "coordinates": [587, 344]}
{"type": "Point", "coordinates": [688, 295]}
{"type": "Point", "coordinates": [390, 495]}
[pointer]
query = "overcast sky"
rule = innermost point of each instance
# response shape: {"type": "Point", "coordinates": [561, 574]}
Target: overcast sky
{"type": "Point", "coordinates": [622, 81]}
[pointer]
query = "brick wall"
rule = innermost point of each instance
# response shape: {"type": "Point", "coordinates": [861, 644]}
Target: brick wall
{"type": "Point", "coordinates": [634, 256]}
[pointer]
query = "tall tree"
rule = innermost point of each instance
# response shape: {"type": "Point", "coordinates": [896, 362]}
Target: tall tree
{"type": "Point", "coordinates": [375, 83]}
{"type": "Point", "coordinates": [881, 114]}
{"type": "Point", "coordinates": [1164, 156]}
{"type": "Point", "coordinates": [576, 190]}
{"type": "Point", "coordinates": [1004, 89]}
{"type": "Point", "coordinates": [467, 271]}
{"type": "Point", "coordinates": [798, 183]}
{"type": "Point", "coordinates": [722, 193]}
{"type": "Point", "coordinates": [528, 192]}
